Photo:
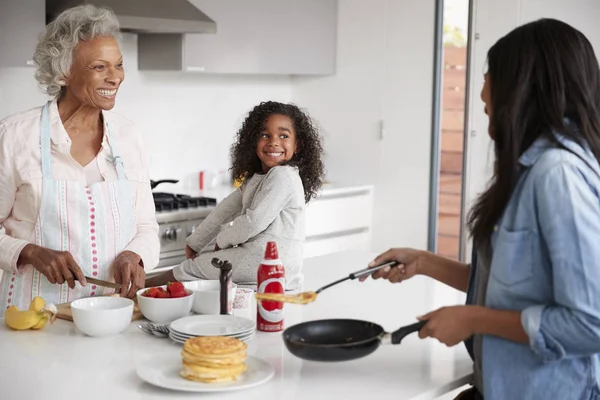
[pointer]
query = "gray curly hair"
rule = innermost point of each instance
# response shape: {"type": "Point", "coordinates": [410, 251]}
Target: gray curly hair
{"type": "Point", "coordinates": [54, 53]}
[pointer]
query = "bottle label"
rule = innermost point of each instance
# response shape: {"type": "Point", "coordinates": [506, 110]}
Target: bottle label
{"type": "Point", "coordinates": [271, 311]}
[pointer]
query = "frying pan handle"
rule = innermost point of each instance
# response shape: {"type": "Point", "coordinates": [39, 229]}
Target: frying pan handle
{"type": "Point", "coordinates": [401, 333]}
{"type": "Point", "coordinates": [154, 184]}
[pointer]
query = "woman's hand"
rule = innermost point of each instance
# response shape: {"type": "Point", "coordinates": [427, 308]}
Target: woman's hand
{"type": "Point", "coordinates": [129, 272]}
{"type": "Point", "coordinates": [190, 253]}
{"type": "Point", "coordinates": [450, 325]}
{"type": "Point", "coordinates": [408, 265]}
{"type": "Point", "coordinates": [57, 266]}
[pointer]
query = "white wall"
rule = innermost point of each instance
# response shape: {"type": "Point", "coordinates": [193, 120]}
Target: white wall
{"type": "Point", "coordinates": [189, 119]}
{"type": "Point", "coordinates": [384, 73]}
{"type": "Point", "coordinates": [494, 19]}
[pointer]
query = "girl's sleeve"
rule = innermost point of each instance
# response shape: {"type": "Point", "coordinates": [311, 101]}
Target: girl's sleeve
{"type": "Point", "coordinates": [273, 196]}
{"type": "Point", "coordinates": [208, 229]}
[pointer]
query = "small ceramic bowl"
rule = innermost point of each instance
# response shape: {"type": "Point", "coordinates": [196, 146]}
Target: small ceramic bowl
{"type": "Point", "coordinates": [102, 316]}
{"type": "Point", "coordinates": [167, 310]}
{"type": "Point", "coordinates": [207, 296]}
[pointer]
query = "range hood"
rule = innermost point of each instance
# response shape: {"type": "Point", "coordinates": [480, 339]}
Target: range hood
{"type": "Point", "coordinates": [146, 16]}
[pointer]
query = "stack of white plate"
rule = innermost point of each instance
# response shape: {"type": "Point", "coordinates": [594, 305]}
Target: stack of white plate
{"type": "Point", "coordinates": [211, 325]}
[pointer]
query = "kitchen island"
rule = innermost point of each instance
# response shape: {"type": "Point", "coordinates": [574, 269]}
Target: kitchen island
{"type": "Point", "coordinates": [61, 363]}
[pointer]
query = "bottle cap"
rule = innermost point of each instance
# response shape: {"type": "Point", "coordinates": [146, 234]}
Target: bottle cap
{"type": "Point", "coordinates": [271, 252]}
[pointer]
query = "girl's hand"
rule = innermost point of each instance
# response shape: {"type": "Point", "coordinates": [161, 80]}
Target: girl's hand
{"type": "Point", "coordinates": [408, 265]}
{"type": "Point", "coordinates": [190, 253]}
{"type": "Point", "coordinates": [450, 325]}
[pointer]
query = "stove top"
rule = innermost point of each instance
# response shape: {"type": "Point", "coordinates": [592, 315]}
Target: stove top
{"type": "Point", "coordinates": [176, 202]}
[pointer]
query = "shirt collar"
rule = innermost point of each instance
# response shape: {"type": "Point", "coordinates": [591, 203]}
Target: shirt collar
{"type": "Point", "coordinates": [542, 144]}
{"type": "Point", "coordinates": [58, 134]}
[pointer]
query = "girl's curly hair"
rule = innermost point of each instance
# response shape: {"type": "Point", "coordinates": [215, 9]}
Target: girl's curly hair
{"type": "Point", "coordinates": [308, 155]}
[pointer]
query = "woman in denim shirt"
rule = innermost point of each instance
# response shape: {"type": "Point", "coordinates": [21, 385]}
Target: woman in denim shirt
{"type": "Point", "coordinates": [532, 319]}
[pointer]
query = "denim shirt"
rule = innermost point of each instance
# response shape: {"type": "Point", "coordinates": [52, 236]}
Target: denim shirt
{"type": "Point", "coordinates": [546, 263]}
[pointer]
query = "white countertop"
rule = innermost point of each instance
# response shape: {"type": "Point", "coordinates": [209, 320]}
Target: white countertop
{"type": "Point", "coordinates": [60, 363]}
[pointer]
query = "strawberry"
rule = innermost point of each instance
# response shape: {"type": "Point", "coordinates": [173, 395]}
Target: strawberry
{"type": "Point", "coordinates": [163, 295]}
{"type": "Point", "coordinates": [152, 292]}
{"type": "Point", "coordinates": [178, 294]}
{"type": "Point", "coordinates": [176, 289]}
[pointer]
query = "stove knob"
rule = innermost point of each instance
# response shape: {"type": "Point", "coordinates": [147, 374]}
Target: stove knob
{"type": "Point", "coordinates": [171, 234]}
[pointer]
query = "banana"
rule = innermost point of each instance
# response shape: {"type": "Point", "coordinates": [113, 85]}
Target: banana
{"type": "Point", "coordinates": [22, 320]}
{"type": "Point", "coordinates": [41, 324]}
{"type": "Point", "coordinates": [37, 304]}
{"type": "Point", "coordinates": [35, 317]}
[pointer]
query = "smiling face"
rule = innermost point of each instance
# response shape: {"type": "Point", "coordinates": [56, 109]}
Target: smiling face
{"type": "Point", "coordinates": [96, 73]}
{"type": "Point", "coordinates": [277, 142]}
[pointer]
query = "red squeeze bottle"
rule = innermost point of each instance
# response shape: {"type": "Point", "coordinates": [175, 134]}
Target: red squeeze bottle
{"type": "Point", "coordinates": [270, 279]}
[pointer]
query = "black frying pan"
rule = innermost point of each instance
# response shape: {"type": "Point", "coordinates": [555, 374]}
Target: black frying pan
{"type": "Point", "coordinates": [341, 339]}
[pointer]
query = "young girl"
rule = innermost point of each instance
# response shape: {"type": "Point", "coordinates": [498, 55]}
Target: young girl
{"type": "Point", "coordinates": [278, 156]}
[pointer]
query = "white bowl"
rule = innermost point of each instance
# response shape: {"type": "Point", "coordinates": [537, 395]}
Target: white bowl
{"type": "Point", "coordinates": [164, 311]}
{"type": "Point", "coordinates": [207, 298]}
{"type": "Point", "coordinates": [102, 316]}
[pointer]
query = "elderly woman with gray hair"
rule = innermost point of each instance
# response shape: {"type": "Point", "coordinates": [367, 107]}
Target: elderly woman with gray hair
{"type": "Point", "coordinates": [75, 197]}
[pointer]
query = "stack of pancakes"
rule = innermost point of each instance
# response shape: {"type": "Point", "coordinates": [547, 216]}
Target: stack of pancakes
{"type": "Point", "coordinates": [213, 359]}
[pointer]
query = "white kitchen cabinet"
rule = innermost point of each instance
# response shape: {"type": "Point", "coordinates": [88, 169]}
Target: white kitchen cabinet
{"type": "Point", "coordinates": [320, 246]}
{"type": "Point", "coordinates": [21, 21]}
{"type": "Point", "coordinates": [339, 219]}
{"type": "Point", "coordinates": [276, 37]}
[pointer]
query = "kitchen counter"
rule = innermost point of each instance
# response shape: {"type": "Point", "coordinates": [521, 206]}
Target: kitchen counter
{"type": "Point", "coordinates": [59, 362]}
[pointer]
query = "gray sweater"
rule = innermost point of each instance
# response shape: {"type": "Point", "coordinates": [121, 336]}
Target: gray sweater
{"type": "Point", "coordinates": [267, 207]}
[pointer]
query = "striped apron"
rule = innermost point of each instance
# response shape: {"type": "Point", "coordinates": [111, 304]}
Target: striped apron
{"type": "Point", "coordinates": [93, 222]}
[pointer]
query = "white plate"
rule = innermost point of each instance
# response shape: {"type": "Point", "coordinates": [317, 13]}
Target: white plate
{"type": "Point", "coordinates": [182, 339]}
{"type": "Point", "coordinates": [163, 371]}
{"type": "Point", "coordinates": [183, 335]}
{"type": "Point", "coordinates": [248, 332]}
{"type": "Point", "coordinates": [212, 325]}
{"type": "Point", "coordinates": [179, 335]}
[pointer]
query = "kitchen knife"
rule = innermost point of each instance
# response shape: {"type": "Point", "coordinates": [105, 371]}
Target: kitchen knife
{"type": "Point", "coordinates": [100, 282]}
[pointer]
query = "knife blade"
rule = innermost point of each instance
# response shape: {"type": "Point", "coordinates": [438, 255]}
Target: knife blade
{"type": "Point", "coordinates": [100, 282]}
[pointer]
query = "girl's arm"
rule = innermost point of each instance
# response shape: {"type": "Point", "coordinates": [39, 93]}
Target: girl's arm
{"type": "Point", "coordinates": [274, 194]}
{"type": "Point", "coordinates": [226, 211]}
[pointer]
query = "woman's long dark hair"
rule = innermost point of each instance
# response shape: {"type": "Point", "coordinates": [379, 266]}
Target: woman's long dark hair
{"type": "Point", "coordinates": [539, 73]}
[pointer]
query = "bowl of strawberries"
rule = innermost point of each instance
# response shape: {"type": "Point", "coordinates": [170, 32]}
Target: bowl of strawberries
{"type": "Point", "coordinates": [165, 304]}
